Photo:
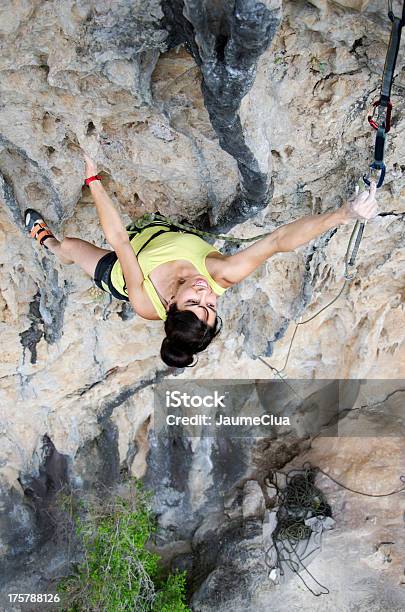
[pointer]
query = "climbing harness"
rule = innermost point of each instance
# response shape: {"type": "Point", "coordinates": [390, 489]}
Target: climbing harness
{"type": "Point", "coordinates": [297, 501]}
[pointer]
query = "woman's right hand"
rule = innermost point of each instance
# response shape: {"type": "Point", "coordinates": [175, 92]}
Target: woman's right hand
{"type": "Point", "coordinates": [362, 206]}
{"type": "Point", "coordinates": [91, 167]}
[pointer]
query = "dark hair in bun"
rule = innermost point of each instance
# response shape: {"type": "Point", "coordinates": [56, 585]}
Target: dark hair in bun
{"type": "Point", "coordinates": [186, 335]}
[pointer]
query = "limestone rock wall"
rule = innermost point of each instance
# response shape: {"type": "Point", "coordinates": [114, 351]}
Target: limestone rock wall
{"type": "Point", "coordinates": [104, 76]}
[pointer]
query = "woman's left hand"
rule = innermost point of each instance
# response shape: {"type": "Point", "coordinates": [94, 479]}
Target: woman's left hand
{"type": "Point", "coordinates": [362, 207]}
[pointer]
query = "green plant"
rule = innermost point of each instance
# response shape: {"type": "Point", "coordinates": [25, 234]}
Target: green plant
{"type": "Point", "coordinates": [118, 572]}
{"type": "Point", "coordinates": [170, 598]}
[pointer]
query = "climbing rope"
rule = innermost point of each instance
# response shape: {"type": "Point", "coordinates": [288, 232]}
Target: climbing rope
{"type": "Point", "coordinates": [150, 218]}
{"type": "Point", "coordinates": [350, 258]}
{"type": "Point", "coordinates": [298, 500]}
{"type": "Point", "coordinates": [383, 126]}
{"type": "Point", "coordinates": [394, 492]}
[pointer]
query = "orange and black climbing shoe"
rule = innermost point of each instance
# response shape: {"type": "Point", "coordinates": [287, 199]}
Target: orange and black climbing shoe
{"type": "Point", "coordinates": [36, 226]}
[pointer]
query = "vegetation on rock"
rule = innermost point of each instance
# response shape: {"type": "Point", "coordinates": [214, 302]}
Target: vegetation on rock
{"type": "Point", "coordinates": [117, 571]}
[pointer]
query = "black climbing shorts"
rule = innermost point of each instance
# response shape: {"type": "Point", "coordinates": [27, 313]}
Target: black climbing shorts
{"type": "Point", "coordinates": [102, 275]}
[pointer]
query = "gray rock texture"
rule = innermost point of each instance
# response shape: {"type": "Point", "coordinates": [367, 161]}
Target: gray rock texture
{"type": "Point", "coordinates": [234, 114]}
{"type": "Point", "coordinates": [226, 41]}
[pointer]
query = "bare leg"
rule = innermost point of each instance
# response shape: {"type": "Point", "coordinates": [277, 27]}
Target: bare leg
{"type": "Point", "coordinates": [75, 250]}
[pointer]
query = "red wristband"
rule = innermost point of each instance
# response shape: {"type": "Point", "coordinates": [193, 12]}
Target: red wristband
{"type": "Point", "coordinates": [93, 178]}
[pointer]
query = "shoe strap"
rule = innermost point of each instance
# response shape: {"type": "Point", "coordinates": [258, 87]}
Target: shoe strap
{"type": "Point", "coordinates": [40, 232]}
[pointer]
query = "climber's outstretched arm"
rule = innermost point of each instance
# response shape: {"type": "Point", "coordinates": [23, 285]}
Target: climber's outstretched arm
{"type": "Point", "coordinates": [110, 219]}
{"type": "Point", "coordinates": [293, 235]}
{"type": "Point", "coordinates": [117, 236]}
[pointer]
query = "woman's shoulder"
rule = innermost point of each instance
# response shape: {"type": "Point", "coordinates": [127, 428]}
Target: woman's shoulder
{"type": "Point", "coordinates": [215, 264]}
{"type": "Point", "coordinates": [143, 305]}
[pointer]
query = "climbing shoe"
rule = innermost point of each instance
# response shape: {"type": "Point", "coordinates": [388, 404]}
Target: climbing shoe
{"type": "Point", "coordinates": [36, 226]}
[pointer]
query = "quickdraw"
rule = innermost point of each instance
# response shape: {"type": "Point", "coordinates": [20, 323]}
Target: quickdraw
{"type": "Point", "coordinates": [382, 124]}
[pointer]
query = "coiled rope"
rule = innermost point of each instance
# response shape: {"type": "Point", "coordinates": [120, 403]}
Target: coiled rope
{"type": "Point", "coordinates": [298, 500]}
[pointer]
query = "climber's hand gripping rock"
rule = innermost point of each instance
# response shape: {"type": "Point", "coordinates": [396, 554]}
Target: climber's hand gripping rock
{"type": "Point", "coordinates": [91, 167]}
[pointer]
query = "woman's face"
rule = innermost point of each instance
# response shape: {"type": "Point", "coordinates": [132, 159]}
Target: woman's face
{"type": "Point", "coordinates": [196, 295]}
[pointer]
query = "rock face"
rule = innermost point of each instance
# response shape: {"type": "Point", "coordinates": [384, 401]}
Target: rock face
{"type": "Point", "coordinates": [216, 113]}
{"type": "Point", "coordinates": [226, 42]}
{"type": "Point", "coordinates": [211, 494]}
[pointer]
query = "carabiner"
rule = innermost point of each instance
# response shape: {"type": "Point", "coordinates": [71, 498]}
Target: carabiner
{"type": "Point", "coordinates": [381, 178]}
{"type": "Point", "coordinates": [387, 122]}
{"type": "Point", "coordinates": [352, 249]}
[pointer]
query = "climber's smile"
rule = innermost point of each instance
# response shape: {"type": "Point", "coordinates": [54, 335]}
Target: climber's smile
{"type": "Point", "coordinates": [196, 295]}
{"type": "Point", "coordinates": [201, 282]}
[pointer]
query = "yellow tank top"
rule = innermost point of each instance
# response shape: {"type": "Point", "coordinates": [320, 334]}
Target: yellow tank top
{"type": "Point", "coordinates": [169, 246]}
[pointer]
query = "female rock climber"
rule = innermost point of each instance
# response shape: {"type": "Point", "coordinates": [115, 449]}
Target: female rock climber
{"type": "Point", "coordinates": [177, 276]}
